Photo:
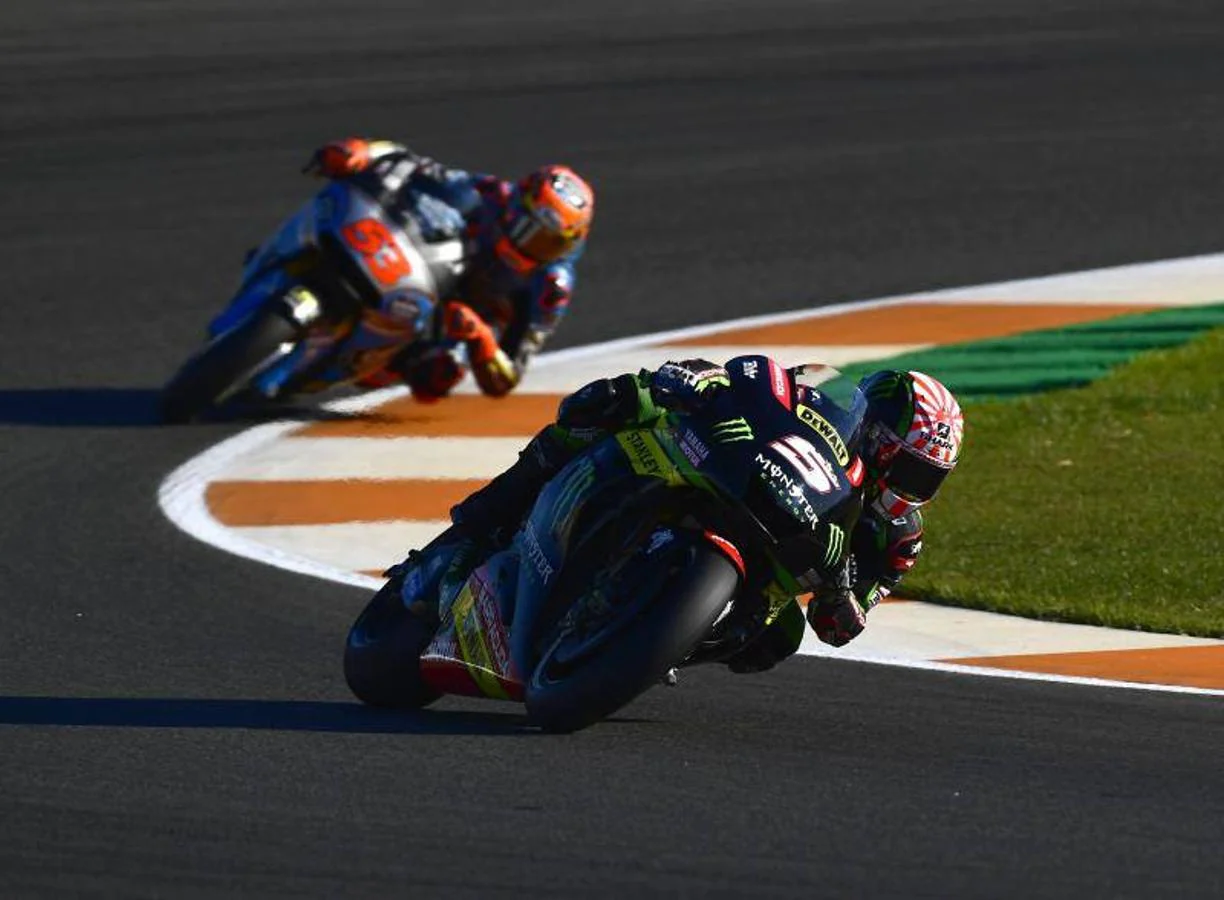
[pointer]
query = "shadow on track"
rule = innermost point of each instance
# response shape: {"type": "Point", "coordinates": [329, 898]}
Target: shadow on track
{"type": "Point", "coordinates": [262, 715]}
{"type": "Point", "coordinates": [80, 407]}
{"type": "Point", "coordinates": [132, 408]}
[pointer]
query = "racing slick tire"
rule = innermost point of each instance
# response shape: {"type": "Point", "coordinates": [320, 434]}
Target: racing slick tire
{"type": "Point", "coordinates": [382, 654]}
{"type": "Point", "coordinates": [224, 366]}
{"type": "Point", "coordinates": [565, 697]}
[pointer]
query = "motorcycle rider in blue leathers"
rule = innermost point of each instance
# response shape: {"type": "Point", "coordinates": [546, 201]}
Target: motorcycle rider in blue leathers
{"type": "Point", "coordinates": [912, 436]}
{"type": "Point", "coordinates": [521, 240]}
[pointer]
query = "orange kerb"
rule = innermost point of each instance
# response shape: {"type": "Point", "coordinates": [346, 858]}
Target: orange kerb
{"type": "Point", "coordinates": [461, 416]}
{"type": "Point", "coordinates": [1197, 666]}
{"type": "Point", "coordinates": [916, 323]}
{"type": "Point", "coordinates": [253, 503]}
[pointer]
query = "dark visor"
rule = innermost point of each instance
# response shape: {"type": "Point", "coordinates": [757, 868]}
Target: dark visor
{"type": "Point", "coordinates": [914, 478]}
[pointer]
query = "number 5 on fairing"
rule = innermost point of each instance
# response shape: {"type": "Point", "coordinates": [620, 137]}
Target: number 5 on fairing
{"type": "Point", "coordinates": [815, 469]}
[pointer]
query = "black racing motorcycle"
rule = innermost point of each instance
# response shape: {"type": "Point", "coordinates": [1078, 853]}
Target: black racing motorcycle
{"type": "Point", "coordinates": [633, 558]}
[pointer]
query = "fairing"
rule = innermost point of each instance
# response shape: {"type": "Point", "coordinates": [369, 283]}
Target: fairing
{"type": "Point", "coordinates": [396, 273]}
{"type": "Point", "coordinates": [780, 477]}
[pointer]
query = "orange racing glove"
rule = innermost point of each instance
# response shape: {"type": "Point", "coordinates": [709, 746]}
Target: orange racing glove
{"type": "Point", "coordinates": [491, 366]}
{"type": "Point", "coordinates": [336, 159]}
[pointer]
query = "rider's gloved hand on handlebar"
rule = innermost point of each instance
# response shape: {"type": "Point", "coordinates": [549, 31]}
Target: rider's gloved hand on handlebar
{"type": "Point", "coordinates": [835, 613]}
{"type": "Point", "coordinates": [336, 159]}
{"type": "Point", "coordinates": [687, 384]}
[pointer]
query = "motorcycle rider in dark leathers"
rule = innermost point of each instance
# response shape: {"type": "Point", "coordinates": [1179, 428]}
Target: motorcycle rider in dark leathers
{"type": "Point", "coordinates": [521, 244]}
{"type": "Point", "coordinates": [911, 441]}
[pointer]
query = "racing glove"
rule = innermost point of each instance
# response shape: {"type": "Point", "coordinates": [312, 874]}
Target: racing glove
{"type": "Point", "coordinates": [492, 368]}
{"type": "Point", "coordinates": [462, 323]}
{"type": "Point", "coordinates": [835, 613]}
{"type": "Point", "coordinates": [430, 375]}
{"type": "Point", "coordinates": [837, 619]}
{"type": "Point", "coordinates": [687, 384]}
{"type": "Point", "coordinates": [336, 159]}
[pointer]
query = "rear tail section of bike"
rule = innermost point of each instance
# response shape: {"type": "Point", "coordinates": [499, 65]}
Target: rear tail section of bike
{"type": "Point", "coordinates": [435, 628]}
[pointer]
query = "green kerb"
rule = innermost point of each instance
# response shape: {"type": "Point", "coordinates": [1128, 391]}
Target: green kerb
{"type": "Point", "coordinates": [1048, 360]}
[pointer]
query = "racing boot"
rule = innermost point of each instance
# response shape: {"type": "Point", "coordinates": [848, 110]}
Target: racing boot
{"type": "Point", "coordinates": [496, 510]}
{"type": "Point", "coordinates": [484, 522]}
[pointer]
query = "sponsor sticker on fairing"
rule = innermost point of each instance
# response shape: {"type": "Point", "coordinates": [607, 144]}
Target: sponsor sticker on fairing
{"type": "Point", "coordinates": [816, 470]}
{"type": "Point", "coordinates": [643, 458]}
{"type": "Point", "coordinates": [730, 431]}
{"type": "Point", "coordinates": [779, 384]}
{"type": "Point", "coordinates": [443, 645]}
{"type": "Point", "coordinates": [693, 448]}
{"type": "Point", "coordinates": [791, 493]}
{"type": "Point", "coordinates": [405, 306]}
{"type": "Point", "coordinates": [536, 555]}
{"type": "Point", "coordinates": [494, 632]}
{"type": "Point", "coordinates": [825, 429]}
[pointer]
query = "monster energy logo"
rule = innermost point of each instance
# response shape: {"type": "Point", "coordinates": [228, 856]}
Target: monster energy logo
{"type": "Point", "coordinates": [567, 500]}
{"type": "Point", "coordinates": [837, 542]}
{"type": "Point", "coordinates": [732, 430]}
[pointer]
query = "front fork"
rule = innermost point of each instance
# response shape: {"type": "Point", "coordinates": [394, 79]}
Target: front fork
{"type": "Point", "coordinates": [302, 307]}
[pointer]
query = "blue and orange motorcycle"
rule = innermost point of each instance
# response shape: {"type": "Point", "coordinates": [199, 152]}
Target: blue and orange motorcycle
{"type": "Point", "coordinates": [340, 288]}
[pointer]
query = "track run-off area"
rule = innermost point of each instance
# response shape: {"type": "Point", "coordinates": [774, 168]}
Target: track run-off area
{"type": "Point", "coordinates": [344, 499]}
{"type": "Point", "coordinates": [173, 718]}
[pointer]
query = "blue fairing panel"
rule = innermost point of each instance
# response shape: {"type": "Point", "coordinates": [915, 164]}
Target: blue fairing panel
{"type": "Point", "coordinates": [248, 300]}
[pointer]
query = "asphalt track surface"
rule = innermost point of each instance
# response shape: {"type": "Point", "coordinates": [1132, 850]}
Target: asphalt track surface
{"type": "Point", "coordinates": [173, 721]}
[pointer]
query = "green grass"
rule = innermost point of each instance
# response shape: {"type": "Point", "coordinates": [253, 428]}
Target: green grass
{"type": "Point", "coordinates": [1102, 504]}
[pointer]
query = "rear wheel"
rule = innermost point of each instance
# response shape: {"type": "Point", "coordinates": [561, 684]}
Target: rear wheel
{"type": "Point", "coordinates": [223, 367]}
{"type": "Point", "coordinates": [571, 689]}
{"type": "Point", "coordinates": [382, 656]}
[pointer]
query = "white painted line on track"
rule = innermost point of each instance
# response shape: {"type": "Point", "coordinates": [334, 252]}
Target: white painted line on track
{"type": "Point", "coordinates": [578, 371]}
{"type": "Point", "coordinates": [181, 497]}
{"type": "Point", "coordinates": [1188, 281]}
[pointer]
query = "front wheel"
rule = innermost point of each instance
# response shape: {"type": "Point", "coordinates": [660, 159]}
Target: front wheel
{"type": "Point", "coordinates": [565, 694]}
{"type": "Point", "coordinates": [223, 367]}
{"type": "Point", "coordinates": [382, 656]}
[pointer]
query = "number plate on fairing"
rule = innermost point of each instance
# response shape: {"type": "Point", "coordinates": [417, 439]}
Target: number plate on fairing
{"type": "Point", "coordinates": [383, 251]}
